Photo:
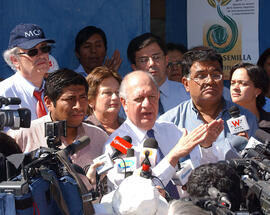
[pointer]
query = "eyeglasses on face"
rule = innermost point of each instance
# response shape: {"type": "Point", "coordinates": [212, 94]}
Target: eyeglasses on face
{"type": "Point", "coordinates": [172, 64]}
{"type": "Point", "coordinates": [34, 52]}
{"type": "Point", "coordinates": [144, 60]}
{"type": "Point", "coordinates": [203, 78]}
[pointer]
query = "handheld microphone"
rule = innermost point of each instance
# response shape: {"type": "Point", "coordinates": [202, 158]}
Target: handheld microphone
{"type": "Point", "coordinates": [77, 145]}
{"type": "Point", "coordinates": [128, 164]}
{"type": "Point", "coordinates": [146, 171]}
{"type": "Point", "coordinates": [150, 145]}
{"type": "Point", "coordinates": [181, 176]}
{"type": "Point", "coordinates": [238, 123]}
{"type": "Point", "coordinates": [120, 145]}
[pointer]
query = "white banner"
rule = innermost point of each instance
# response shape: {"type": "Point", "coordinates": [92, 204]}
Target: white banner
{"type": "Point", "coordinates": [229, 26]}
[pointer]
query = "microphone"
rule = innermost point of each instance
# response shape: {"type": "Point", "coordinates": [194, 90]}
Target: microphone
{"type": "Point", "coordinates": [120, 145]}
{"type": "Point", "coordinates": [150, 145]}
{"type": "Point", "coordinates": [77, 145]}
{"type": "Point", "coordinates": [146, 171]}
{"type": "Point", "coordinates": [238, 123]}
{"type": "Point", "coordinates": [9, 101]}
{"type": "Point", "coordinates": [129, 164]}
{"type": "Point", "coordinates": [181, 176]}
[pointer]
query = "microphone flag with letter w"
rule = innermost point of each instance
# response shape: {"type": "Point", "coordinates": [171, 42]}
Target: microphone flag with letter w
{"type": "Point", "coordinates": [238, 123]}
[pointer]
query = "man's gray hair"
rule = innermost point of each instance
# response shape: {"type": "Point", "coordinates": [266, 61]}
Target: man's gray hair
{"type": "Point", "coordinates": [123, 85]}
{"type": "Point", "coordinates": [8, 53]}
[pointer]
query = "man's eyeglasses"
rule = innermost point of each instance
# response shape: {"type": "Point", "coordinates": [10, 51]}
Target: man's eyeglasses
{"type": "Point", "coordinates": [34, 52]}
{"type": "Point", "coordinates": [176, 64]}
{"type": "Point", "coordinates": [144, 60]}
{"type": "Point", "coordinates": [203, 78]}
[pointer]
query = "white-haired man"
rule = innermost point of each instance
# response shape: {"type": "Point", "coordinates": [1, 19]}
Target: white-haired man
{"type": "Point", "coordinates": [28, 55]}
{"type": "Point", "coordinates": [139, 96]}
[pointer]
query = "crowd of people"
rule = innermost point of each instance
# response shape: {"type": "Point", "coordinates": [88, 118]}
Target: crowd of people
{"type": "Point", "coordinates": [173, 95]}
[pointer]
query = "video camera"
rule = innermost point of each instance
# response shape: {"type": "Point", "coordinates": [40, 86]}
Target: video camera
{"type": "Point", "coordinates": [254, 171]}
{"type": "Point", "coordinates": [14, 119]}
{"type": "Point", "coordinates": [49, 170]}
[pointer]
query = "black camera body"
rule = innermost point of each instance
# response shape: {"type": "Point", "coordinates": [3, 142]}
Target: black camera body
{"type": "Point", "coordinates": [14, 119]}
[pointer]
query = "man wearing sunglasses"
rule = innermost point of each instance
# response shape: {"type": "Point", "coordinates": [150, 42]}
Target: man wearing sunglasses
{"type": "Point", "coordinates": [28, 55]}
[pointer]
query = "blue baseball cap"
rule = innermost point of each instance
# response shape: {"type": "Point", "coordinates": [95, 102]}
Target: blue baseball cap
{"type": "Point", "coordinates": [26, 36]}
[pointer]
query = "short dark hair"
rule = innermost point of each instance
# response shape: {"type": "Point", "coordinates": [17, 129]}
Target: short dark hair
{"type": "Point", "coordinates": [176, 47]}
{"type": "Point", "coordinates": [258, 77]}
{"type": "Point", "coordinates": [61, 78]}
{"type": "Point", "coordinates": [87, 32]}
{"type": "Point", "coordinates": [141, 42]}
{"type": "Point", "coordinates": [8, 145]}
{"type": "Point", "coordinates": [219, 175]}
{"type": "Point", "coordinates": [263, 57]}
{"type": "Point", "coordinates": [199, 55]}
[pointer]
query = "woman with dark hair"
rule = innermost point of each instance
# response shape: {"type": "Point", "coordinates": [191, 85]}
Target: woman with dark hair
{"type": "Point", "coordinates": [264, 62]}
{"type": "Point", "coordinates": [249, 84]}
{"type": "Point", "coordinates": [103, 99]}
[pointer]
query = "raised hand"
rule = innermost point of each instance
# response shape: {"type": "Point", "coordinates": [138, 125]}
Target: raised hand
{"type": "Point", "coordinates": [115, 61]}
{"type": "Point", "coordinates": [205, 135]}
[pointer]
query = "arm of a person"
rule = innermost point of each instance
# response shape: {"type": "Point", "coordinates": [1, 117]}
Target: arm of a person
{"type": "Point", "coordinates": [204, 135]}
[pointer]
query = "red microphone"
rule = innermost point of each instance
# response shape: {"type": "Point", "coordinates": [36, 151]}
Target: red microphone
{"type": "Point", "coordinates": [120, 145]}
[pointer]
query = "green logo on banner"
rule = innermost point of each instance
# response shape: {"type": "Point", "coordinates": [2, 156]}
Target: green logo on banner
{"type": "Point", "coordinates": [217, 35]}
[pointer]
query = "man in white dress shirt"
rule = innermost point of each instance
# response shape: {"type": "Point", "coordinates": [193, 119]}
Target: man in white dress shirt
{"type": "Point", "coordinates": [28, 55]}
{"type": "Point", "coordinates": [139, 96]}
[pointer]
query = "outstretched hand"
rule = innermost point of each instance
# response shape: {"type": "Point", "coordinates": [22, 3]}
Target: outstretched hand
{"type": "Point", "coordinates": [205, 135]}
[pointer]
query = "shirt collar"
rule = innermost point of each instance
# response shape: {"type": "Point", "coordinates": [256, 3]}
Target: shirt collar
{"type": "Point", "coordinates": [81, 71]}
{"type": "Point", "coordinates": [28, 84]}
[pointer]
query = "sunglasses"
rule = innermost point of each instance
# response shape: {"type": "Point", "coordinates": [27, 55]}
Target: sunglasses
{"type": "Point", "coordinates": [34, 52]}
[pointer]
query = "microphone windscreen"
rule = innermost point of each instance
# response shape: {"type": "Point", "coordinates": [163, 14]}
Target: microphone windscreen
{"type": "Point", "coordinates": [128, 139]}
{"type": "Point", "coordinates": [262, 135]}
{"type": "Point", "coordinates": [77, 145]}
{"type": "Point", "coordinates": [13, 101]}
{"type": "Point", "coordinates": [150, 143]}
{"type": "Point", "coordinates": [234, 111]}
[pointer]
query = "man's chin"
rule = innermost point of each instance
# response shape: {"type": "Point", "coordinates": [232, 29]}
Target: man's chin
{"type": "Point", "coordinates": [74, 124]}
{"type": "Point", "coordinates": [147, 124]}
